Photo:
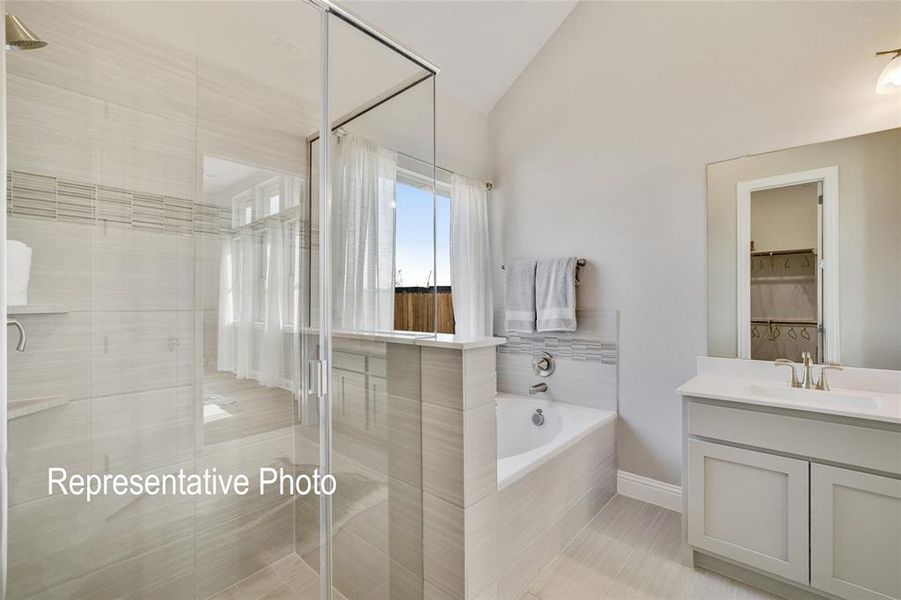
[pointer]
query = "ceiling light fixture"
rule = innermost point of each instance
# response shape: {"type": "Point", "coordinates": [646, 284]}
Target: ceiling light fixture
{"type": "Point", "coordinates": [890, 79]}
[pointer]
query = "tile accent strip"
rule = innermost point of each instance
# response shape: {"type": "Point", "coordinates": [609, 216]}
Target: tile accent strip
{"type": "Point", "coordinates": [561, 345]}
{"type": "Point", "coordinates": [47, 197]}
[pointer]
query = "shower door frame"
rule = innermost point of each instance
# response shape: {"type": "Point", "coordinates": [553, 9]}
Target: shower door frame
{"type": "Point", "coordinates": [326, 8]}
{"type": "Point", "coordinates": [322, 367]}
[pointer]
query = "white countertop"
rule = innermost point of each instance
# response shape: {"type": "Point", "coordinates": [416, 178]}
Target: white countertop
{"type": "Point", "coordinates": [738, 389]}
{"type": "Point", "coordinates": [441, 340]}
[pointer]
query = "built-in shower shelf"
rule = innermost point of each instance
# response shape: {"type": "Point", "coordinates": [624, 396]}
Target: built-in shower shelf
{"type": "Point", "coordinates": [37, 309]}
{"type": "Point", "coordinates": [29, 406]}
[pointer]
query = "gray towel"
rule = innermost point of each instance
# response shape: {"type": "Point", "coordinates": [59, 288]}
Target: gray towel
{"type": "Point", "coordinates": [520, 303]}
{"type": "Point", "coordinates": [555, 294]}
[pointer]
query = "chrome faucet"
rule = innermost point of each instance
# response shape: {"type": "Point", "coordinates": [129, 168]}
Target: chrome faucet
{"type": "Point", "coordinates": [537, 387]}
{"type": "Point", "coordinates": [822, 384]}
{"type": "Point", "coordinates": [807, 361]}
{"type": "Point", "coordinates": [784, 362]}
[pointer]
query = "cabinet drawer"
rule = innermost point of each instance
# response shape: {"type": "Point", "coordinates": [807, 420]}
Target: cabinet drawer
{"type": "Point", "coordinates": [750, 507]}
{"type": "Point", "coordinates": [870, 448]}
{"type": "Point", "coordinates": [349, 362]}
{"type": "Point", "coordinates": [378, 367]}
{"type": "Point", "coordinates": [855, 533]}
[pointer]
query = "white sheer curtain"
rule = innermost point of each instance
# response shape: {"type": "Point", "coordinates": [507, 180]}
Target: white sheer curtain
{"type": "Point", "coordinates": [272, 367]}
{"type": "Point", "coordinates": [363, 236]}
{"type": "Point", "coordinates": [253, 303]}
{"type": "Point", "coordinates": [470, 259]}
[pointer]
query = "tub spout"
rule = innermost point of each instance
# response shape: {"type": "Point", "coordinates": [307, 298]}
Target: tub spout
{"type": "Point", "coordinates": [538, 387]}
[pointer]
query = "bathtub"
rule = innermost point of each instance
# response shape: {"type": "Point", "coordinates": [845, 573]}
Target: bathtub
{"type": "Point", "coordinates": [551, 480]}
{"type": "Point", "coordinates": [522, 447]}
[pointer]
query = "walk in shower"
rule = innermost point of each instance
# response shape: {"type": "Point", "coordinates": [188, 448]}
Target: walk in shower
{"type": "Point", "coordinates": [203, 194]}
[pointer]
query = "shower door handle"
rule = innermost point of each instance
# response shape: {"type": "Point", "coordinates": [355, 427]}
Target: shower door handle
{"type": "Point", "coordinates": [20, 346]}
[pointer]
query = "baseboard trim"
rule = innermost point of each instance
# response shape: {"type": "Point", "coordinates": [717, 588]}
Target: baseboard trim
{"type": "Point", "coordinates": [649, 490]}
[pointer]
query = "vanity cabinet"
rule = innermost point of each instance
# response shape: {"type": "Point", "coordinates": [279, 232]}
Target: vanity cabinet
{"type": "Point", "coordinates": [750, 506]}
{"type": "Point", "coordinates": [855, 533]}
{"type": "Point", "coordinates": [360, 396]}
{"type": "Point", "coordinates": [803, 498]}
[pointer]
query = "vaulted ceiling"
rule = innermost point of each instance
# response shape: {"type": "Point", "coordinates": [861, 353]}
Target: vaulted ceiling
{"type": "Point", "coordinates": [481, 47]}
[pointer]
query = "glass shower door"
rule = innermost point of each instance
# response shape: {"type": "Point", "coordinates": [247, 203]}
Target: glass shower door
{"type": "Point", "coordinates": [158, 177]}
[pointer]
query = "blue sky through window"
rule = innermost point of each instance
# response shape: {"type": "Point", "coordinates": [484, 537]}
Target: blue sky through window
{"type": "Point", "coordinates": [414, 237]}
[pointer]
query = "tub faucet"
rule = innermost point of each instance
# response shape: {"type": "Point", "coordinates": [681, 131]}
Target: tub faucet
{"type": "Point", "coordinates": [537, 387]}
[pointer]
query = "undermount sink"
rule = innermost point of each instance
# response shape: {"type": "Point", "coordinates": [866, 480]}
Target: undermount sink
{"type": "Point", "coordinates": [837, 400]}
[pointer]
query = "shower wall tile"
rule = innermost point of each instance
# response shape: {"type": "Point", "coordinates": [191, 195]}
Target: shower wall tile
{"type": "Point", "coordinates": [274, 453]}
{"type": "Point", "coordinates": [442, 452]}
{"type": "Point", "coordinates": [58, 437]}
{"type": "Point", "coordinates": [164, 572]}
{"type": "Point", "coordinates": [78, 538]}
{"type": "Point", "coordinates": [141, 350]}
{"type": "Point", "coordinates": [144, 430]}
{"type": "Point", "coordinates": [58, 360]}
{"type": "Point", "coordinates": [207, 253]}
{"type": "Point", "coordinates": [459, 551]}
{"type": "Point", "coordinates": [132, 526]}
{"type": "Point", "coordinates": [479, 453]}
{"type": "Point", "coordinates": [92, 56]}
{"type": "Point", "coordinates": [405, 450]}
{"type": "Point", "coordinates": [587, 384]}
{"type": "Point", "coordinates": [48, 129]}
{"type": "Point", "coordinates": [443, 545]}
{"type": "Point", "coordinates": [442, 377]}
{"type": "Point", "coordinates": [50, 540]}
{"type": "Point", "coordinates": [459, 445]}
{"type": "Point", "coordinates": [250, 123]}
{"type": "Point", "coordinates": [60, 261]}
{"type": "Point", "coordinates": [405, 525]}
{"type": "Point", "coordinates": [479, 377]}
{"type": "Point", "coordinates": [479, 524]}
{"type": "Point", "coordinates": [586, 361]}
{"type": "Point", "coordinates": [138, 270]}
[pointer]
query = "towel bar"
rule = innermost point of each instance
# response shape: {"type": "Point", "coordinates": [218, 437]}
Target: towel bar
{"type": "Point", "coordinates": [579, 264]}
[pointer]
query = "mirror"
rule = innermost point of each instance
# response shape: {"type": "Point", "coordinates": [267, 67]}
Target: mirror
{"type": "Point", "coordinates": [804, 253]}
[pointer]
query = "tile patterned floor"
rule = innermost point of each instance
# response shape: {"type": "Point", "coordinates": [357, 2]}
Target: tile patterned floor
{"type": "Point", "coordinates": [630, 550]}
{"type": "Point", "coordinates": [287, 579]}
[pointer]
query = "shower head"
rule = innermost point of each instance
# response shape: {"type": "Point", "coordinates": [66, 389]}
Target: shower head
{"type": "Point", "coordinates": [19, 37]}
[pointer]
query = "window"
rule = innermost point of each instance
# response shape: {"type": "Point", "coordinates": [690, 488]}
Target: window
{"type": "Point", "coordinates": [415, 270]}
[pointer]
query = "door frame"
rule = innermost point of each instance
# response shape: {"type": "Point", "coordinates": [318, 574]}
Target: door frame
{"type": "Point", "coordinates": [829, 323]}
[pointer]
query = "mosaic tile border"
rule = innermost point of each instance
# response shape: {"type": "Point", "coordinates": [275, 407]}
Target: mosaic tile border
{"type": "Point", "coordinates": [47, 197]}
{"type": "Point", "coordinates": [561, 346]}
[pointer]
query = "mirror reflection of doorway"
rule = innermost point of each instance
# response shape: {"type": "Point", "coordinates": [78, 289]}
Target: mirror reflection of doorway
{"type": "Point", "coordinates": [785, 290]}
{"type": "Point", "coordinates": [787, 274]}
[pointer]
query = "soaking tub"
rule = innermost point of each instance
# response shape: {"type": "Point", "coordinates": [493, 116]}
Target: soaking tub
{"type": "Point", "coordinates": [522, 447]}
{"type": "Point", "coordinates": [551, 480]}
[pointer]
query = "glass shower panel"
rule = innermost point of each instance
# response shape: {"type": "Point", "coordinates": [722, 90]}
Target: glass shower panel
{"type": "Point", "coordinates": [160, 177]}
{"type": "Point", "coordinates": [382, 113]}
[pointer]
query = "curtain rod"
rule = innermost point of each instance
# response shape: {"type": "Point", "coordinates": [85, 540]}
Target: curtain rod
{"type": "Point", "coordinates": [488, 185]}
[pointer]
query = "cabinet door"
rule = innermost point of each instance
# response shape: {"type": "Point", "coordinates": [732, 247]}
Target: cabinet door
{"type": "Point", "coordinates": [378, 406]}
{"type": "Point", "coordinates": [349, 399]}
{"type": "Point", "coordinates": [750, 507]}
{"type": "Point", "coordinates": [855, 533]}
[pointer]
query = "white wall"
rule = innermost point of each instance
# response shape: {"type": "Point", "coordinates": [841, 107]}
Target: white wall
{"type": "Point", "coordinates": [404, 123]}
{"type": "Point", "coordinates": [599, 150]}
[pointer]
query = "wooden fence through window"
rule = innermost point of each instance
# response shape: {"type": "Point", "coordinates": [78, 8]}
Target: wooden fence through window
{"type": "Point", "coordinates": [414, 309]}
